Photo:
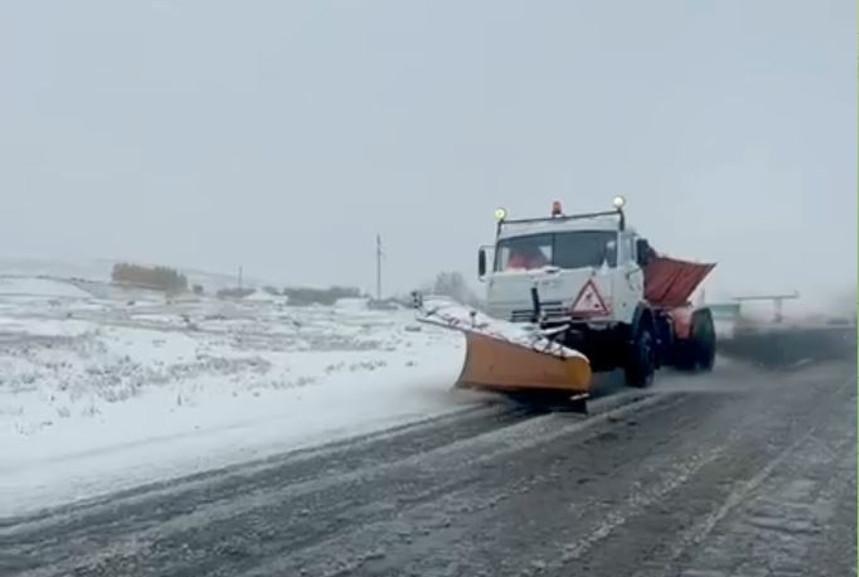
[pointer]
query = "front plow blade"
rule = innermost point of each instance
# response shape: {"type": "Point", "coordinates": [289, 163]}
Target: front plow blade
{"type": "Point", "coordinates": [500, 365]}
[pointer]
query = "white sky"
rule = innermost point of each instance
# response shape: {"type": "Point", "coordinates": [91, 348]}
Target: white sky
{"type": "Point", "coordinates": [284, 135]}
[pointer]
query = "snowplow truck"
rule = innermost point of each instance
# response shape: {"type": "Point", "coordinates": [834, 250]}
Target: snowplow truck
{"type": "Point", "coordinates": [597, 287]}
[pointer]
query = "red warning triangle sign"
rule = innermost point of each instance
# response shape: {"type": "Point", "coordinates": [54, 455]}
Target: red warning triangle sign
{"type": "Point", "coordinates": [589, 302]}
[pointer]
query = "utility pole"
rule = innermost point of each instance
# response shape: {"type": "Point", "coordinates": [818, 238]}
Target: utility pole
{"type": "Point", "coordinates": [240, 277]}
{"type": "Point", "coordinates": [378, 267]}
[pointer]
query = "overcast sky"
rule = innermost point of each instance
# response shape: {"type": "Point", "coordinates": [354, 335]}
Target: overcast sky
{"type": "Point", "coordinates": [283, 135]}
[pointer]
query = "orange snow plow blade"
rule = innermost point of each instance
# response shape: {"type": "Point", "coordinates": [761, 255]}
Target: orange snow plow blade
{"type": "Point", "coordinates": [499, 365]}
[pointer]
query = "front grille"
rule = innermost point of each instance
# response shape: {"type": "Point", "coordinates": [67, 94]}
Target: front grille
{"type": "Point", "coordinates": [551, 310]}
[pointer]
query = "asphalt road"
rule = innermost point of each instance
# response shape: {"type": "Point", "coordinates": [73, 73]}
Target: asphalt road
{"type": "Point", "coordinates": [743, 472]}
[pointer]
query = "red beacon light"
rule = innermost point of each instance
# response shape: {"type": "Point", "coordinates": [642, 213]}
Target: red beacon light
{"type": "Point", "coordinates": [556, 209]}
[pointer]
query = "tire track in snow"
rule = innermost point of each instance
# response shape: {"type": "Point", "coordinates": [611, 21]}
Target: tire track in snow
{"type": "Point", "coordinates": [222, 495]}
{"type": "Point", "coordinates": [413, 455]}
{"type": "Point", "coordinates": [637, 484]}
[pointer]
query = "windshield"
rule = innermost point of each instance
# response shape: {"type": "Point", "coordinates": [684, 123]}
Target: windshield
{"type": "Point", "coordinates": [568, 250]}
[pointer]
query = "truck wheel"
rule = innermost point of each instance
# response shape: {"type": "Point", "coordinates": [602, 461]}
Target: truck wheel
{"type": "Point", "coordinates": [641, 364]}
{"type": "Point", "coordinates": [704, 340]}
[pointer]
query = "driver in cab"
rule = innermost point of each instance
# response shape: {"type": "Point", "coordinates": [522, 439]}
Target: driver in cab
{"type": "Point", "coordinates": [526, 258]}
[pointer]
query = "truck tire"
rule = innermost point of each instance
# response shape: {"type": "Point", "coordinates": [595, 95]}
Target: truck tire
{"type": "Point", "coordinates": [697, 352]}
{"type": "Point", "coordinates": [641, 363]}
{"type": "Point", "coordinates": [703, 340]}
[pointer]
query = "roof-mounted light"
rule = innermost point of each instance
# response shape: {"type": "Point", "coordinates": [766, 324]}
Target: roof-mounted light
{"type": "Point", "coordinates": [500, 214]}
{"type": "Point", "coordinates": [556, 208]}
{"type": "Point", "coordinates": [618, 202]}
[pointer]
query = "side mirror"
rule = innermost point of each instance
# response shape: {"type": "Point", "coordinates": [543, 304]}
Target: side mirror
{"type": "Point", "coordinates": [481, 263]}
{"type": "Point", "coordinates": [642, 251]}
{"type": "Point", "coordinates": [610, 254]}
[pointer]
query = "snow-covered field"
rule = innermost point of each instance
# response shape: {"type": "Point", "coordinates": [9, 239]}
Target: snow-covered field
{"type": "Point", "coordinates": [104, 388]}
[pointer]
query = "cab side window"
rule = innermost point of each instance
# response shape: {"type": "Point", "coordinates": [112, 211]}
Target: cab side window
{"type": "Point", "coordinates": [627, 248]}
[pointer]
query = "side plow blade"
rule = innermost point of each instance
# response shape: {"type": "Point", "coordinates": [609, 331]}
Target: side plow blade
{"type": "Point", "coordinates": [500, 365]}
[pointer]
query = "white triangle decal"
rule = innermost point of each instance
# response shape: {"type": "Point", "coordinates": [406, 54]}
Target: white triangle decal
{"type": "Point", "coordinates": [589, 301]}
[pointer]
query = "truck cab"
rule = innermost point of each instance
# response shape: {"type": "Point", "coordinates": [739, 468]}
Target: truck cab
{"type": "Point", "coordinates": [584, 268]}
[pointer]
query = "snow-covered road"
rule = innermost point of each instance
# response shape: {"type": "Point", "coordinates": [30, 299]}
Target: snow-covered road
{"type": "Point", "coordinates": [739, 472]}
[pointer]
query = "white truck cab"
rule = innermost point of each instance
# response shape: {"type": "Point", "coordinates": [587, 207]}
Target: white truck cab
{"type": "Point", "coordinates": [584, 268]}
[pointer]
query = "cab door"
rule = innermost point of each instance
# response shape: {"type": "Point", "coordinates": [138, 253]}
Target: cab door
{"type": "Point", "coordinates": [629, 283]}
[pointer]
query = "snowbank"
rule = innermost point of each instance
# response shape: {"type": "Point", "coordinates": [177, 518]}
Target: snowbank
{"type": "Point", "coordinates": [117, 395]}
{"type": "Point", "coordinates": [260, 295]}
{"type": "Point", "coordinates": [352, 304]}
